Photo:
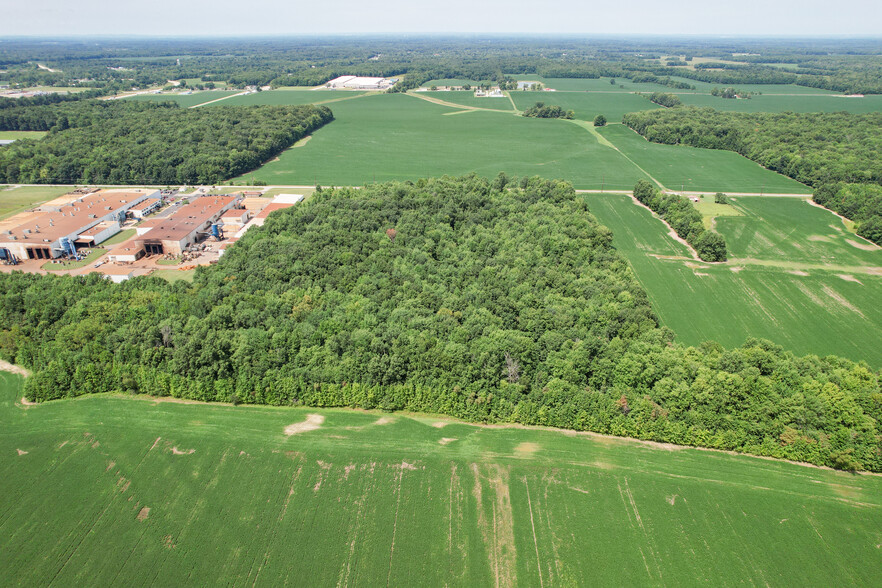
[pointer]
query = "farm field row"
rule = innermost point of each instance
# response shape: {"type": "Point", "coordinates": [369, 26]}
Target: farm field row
{"type": "Point", "coordinates": [626, 85]}
{"type": "Point", "coordinates": [393, 136]}
{"type": "Point", "coordinates": [185, 100]}
{"type": "Point", "coordinates": [807, 294]}
{"type": "Point", "coordinates": [165, 492]}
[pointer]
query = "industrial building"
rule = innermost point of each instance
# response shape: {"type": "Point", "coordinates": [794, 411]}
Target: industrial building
{"type": "Point", "coordinates": [360, 83]}
{"type": "Point", "coordinates": [172, 235]}
{"type": "Point", "coordinates": [59, 227]}
{"type": "Point", "coordinates": [148, 206]}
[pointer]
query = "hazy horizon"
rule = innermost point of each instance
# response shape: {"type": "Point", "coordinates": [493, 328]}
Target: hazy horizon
{"type": "Point", "coordinates": [693, 18]}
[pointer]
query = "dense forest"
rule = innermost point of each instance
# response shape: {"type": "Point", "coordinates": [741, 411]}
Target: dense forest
{"type": "Point", "coordinates": [861, 203]}
{"type": "Point", "coordinates": [489, 301]}
{"type": "Point", "coordinates": [681, 216]}
{"type": "Point", "coordinates": [542, 110]}
{"type": "Point", "coordinates": [123, 142]}
{"type": "Point", "coordinates": [823, 150]}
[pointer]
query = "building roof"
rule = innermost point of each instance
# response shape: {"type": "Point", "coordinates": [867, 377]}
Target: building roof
{"type": "Point", "coordinates": [43, 228]}
{"type": "Point", "coordinates": [100, 227]}
{"type": "Point", "coordinates": [187, 218]}
{"type": "Point", "coordinates": [273, 207]}
{"type": "Point", "coordinates": [153, 201]}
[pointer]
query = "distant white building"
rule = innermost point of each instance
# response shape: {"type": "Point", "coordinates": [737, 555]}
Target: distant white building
{"type": "Point", "coordinates": [359, 83]}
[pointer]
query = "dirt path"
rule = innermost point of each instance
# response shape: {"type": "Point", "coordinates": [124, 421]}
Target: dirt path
{"type": "Point", "coordinates": [588, 126]}
{"type": "Point", "coordinates": [866, 246]}
{"type": "Point", "coordinates": [219, 99]}
{"type": "Point", "coordinates": [5, 366]}
{"type": "Point", "coordinates": [440, 102]}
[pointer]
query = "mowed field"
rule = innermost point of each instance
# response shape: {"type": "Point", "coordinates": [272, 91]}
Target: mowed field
{"type": "Point", "coordinates": [16, 135]}
{"type": "Point", "coordinates": [289, 97]}
{"type": "Point", "coordinates": [394, 136]}
{"type": "Point", "coordinates": [587, 105]}
{"type": "Point", "coordinates": [469, 99]}
{"type": "Point", "coordinates": [185, 100]}
{"type": "Point", "coordinates": [793, 277]}
{"type": "Point", "coordinates": [680, 167]}
{"type": "Point", "coordinates": [125, 490]}
{"type": "Point", "coordinates": [783, 103]}
{"type": "Point", "coordinates": [14, 200]}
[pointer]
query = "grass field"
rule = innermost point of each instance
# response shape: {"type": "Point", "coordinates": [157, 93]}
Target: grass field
{"type": "Point", "coordinates": [19, 199]}
{"type": "Point", "coordinates": [185, 100]}
{"type": "Point", "coordinates": [680, 167]}
{"type": "Point", "coordinates": [587, 105]}
{"type": "Point", "coordinates": [123, 235]}
{"type": "Point", "coordinates": [469, 99]}
{"type": "Point", "coordinates": [807, 295]}
{"type": "Point", "coordinates": [107, 490]}
{"type": "Point", "coordinates": [173, 275]}
{"type": "Point", "coordinates": [781, 103]}
{"type": "Point", "coordinates": [394, 136]}
{"type": "Point", "coordinates": [289, 97]}
{"type": "Point", "coordinates": [62, 265]}
{"type": "Point", "coordinates": [14, 135]}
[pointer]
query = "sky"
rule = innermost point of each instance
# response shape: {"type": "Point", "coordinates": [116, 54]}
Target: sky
{"type": "Point", "coordinates": [297, 17]}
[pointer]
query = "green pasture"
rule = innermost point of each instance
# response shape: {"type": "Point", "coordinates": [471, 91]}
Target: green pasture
{"type": "Point", "coordinates": [395, 136]}
{"type": "Point", "coordinates": [679, 167]}
{"type": "Point", "coordinates": [621, 86]}
{"type": "Point", "coordinates": [587, 105]}
{"type": "Point", "coordinates": [184, 100]}
{"type": "Point", "coordinates": [289, 97]}
{"type": "Point", "coordinates": [827, 305]}
{"type": "Point", "coordinates": [468, 99]}
{"type": "Point", "coordinates": [15, 135]}
{"type": "Point", "coordinates": [456, 82]}
{"type": "Point", "coordinates": [14, 200]}
{"type": "Point", "coordinates": [108, 489]}
{"type": "Point", "coordinates": [782, 103]}
{"type": "Point", "coordinates": [793, 230]}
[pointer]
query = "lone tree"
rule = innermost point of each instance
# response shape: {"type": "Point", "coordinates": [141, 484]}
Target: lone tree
{"type": "Point", "coordinates": [599, 120]}
{"type": "Point", "coordinates": [720, 198]}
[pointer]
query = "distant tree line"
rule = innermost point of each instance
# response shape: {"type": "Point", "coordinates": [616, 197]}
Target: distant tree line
{"type": "Point", "coordinates": [498, 301]}
{"type": "Point", "coordinates": [687, 222]}
{"type": "Point", "coordinates": [542, 110]}
{"type": "Point", "coordinates": [126, 142]}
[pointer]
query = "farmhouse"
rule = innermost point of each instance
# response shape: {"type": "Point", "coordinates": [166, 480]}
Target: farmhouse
{"type": "Point", "coordinates": [174, 234]}
{"type": "Point", "coordinates": [59, 229]}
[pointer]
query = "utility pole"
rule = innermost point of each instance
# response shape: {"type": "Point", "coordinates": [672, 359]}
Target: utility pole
{"type": "Point", "coordinates": [602, 182]}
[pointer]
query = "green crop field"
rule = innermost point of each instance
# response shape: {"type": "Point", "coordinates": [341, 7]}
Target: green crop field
{"type": "Point", "coordinates": [289, 97]}
{"type": "Point", "coordinates": [15, 135]}
{"type": "Point", "coordinates": [394, 136]}
{"type": "Point", "coordinates": [14, 200]}
{"type": "Point", "coordinates": [587, 105]}
{"type": "Point", "coordinates": [793, 230]}
{"type": "Point", "coordinates": [105, 489]}
{"type": "Point", "coordinates": [680, 167]}
{"type": "Point", "coordinates": [783, 284]}
{"type": "Point", "coordinates": [185, 100]}
{"type": "Point", "coordinates": [782, 103]}
{"type": "Point", "coordinates": [469, 99]}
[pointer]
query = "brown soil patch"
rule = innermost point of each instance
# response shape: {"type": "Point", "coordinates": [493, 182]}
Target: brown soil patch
{"type": "Point", "coordinates": [671, 499]}
{"type": "Point", "coordinates": [797, 272]}
{"type": "Point", "coordinates": [158, 399]}
{"type": "Point", "coordinates": [736, 269]}
{"type": "Point", "coordinates": [407, 466]}
{"type": "Point", "coordinates": [110, 466]}
{"type": "Point", "coordinates": [496, 523]}
{"type": "Point", "coordinates": [440, 424]}
{"type": "Point", "coordinates": [312, 422]}
{"type": "Point", "coordinates": [446, 440]}
{"type": "Point", "coordinates": [862, 246]}
{"type": "Point", "coordinates": [384, 421]}
{"type": "Point", "coordinates": [143, 513]}
{"type": "Point", "coordinates": [849, 278]}
{"type": "Point", "coordinates": [177, 451]}
{"type": "Point", "coordinates": [527, 448]}
{"type": "Point", "coordinates": [5, 366]}
{"type": "Point", "coordinates": [819, 238]}
{"type": "Point", "coordinates": [22, 452]}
